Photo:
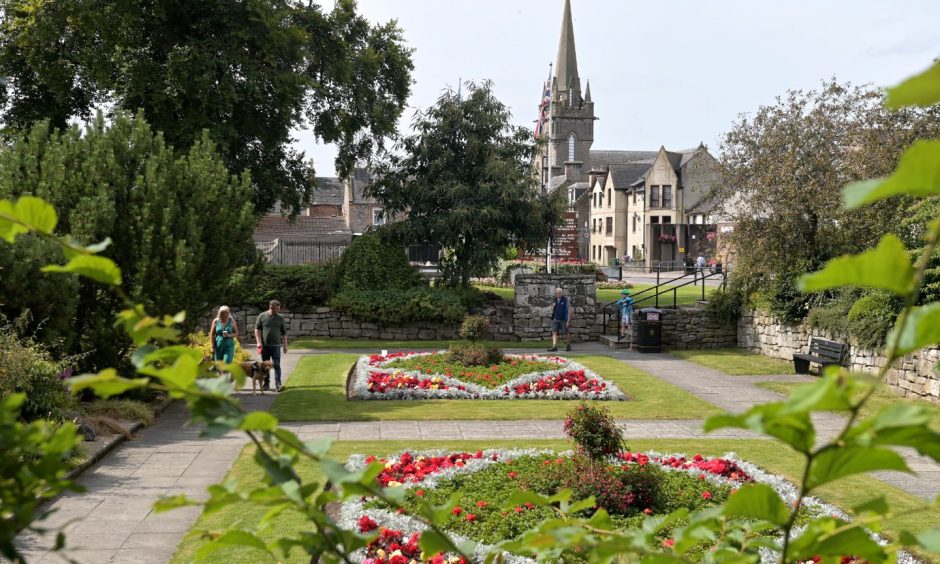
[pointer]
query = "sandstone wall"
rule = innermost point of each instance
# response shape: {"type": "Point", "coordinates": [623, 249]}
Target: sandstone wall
{"type": "Point", "coordinates": [535, 295]}
{"type": "Point", "coordinates": [914, 375]}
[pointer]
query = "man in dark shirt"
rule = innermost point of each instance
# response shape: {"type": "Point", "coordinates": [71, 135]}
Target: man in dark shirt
{"type": "Point", "coordinates": [561, 320]}
{"type": "Point", "coordinates": [271, 336]}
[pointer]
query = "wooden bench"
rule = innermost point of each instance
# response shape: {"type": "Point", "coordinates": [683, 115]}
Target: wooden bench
{"type": "Point", "coordinates": [821, 352]}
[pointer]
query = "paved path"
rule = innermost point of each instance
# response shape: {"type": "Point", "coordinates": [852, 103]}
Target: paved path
{"type": "Point", "coordinates": [114, 521]}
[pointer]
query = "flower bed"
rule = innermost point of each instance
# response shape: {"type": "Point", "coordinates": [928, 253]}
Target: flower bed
{"type": "Point", "coordinates": [430, 376]}
{"type": "Point", "coordinates": [630, 486]}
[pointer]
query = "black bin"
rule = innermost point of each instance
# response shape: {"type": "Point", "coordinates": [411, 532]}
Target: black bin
{"type": "Point", "coordinates": [649, 330]}
{"type": "Point", "coordinates": [689, 266]}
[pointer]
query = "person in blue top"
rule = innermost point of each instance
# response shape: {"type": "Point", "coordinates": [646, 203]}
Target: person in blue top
{"type": "Point", "coordinates": [625, 303]}
{"type": "Point", "coordinates": [561, 320]}
{"type": "Point", "coordinates": [222, 336]}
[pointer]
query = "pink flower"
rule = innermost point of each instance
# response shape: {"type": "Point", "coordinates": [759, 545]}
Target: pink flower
{"type": "Point", "coordinates": [668, 543]}
{"type": "Point", "coordinates": [648, 511]}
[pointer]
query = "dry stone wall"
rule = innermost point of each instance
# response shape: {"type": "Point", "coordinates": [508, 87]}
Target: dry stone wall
{"type": "Point", "coordinates": [694, 328]}
{"type": "Point", "coordinates": [914, 375]}
{"type": "Point", "coordinates": [535, 296]}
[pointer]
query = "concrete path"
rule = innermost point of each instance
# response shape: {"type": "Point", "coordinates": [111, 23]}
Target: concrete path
{"type": "Point", "coordinates": [113, 521]}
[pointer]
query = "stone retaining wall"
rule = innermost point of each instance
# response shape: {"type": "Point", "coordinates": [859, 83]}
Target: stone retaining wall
{"type": "Point", "coordinates": [914, 375]}
{"type": "Point", "coordinates": [326, 322]}
{"type": "Point", "coordinates": [535, 295]}
{"type": "Point", "coordinates": [694, 328]}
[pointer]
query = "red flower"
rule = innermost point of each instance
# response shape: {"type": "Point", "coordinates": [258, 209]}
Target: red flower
{"type": "Point", "coordinates": [512, 474]}
{"type": "Point", "coordinates": [471, 517]}
{"type": "Point", "coordinates": [366, 524]}
{"type": "Point", "coordinates": [457, 510]}
{"type": "Point", "coordinates": [529, 505]}
{"type": "Point", "coordinates": [668, 542]}
{"type": "Point", "coordinates": [419, 493]}
{"type": "Point", "coordinates": [648, 511]}
{"type": "Point", "coordinates": [706, 495]}
{"type": "Point", "coordinates": [482, 504]}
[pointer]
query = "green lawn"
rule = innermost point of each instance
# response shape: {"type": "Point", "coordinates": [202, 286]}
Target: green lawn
{"type": "Point", "coordinates": [316, 391]}
{"type": "Point", "coordinates": [880, 399]}
{"type": "Point", "coordinates": [331, 343]}
{"type": "Point", "coordinates": [687, 295]}
{"type": "Point", "coordinates": [774, 457]}
{"type": "Point", "coordinates": [736, 362]}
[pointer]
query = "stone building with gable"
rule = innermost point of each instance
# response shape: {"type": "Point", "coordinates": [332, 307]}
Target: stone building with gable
{"type": "Point", "coordinates": [634, 203]}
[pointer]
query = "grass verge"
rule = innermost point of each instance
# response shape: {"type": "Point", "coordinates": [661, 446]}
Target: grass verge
{"type": "Point", "coordinates": [316, 391]}
{"type": "Point", "coordinates": [330, 343]}
{"type": "Point", "coordinates": [879, 400]}
{"type": "Point", "coordinates": [776, 458]}
{"type": "Point", "coordinates": [736, 362]}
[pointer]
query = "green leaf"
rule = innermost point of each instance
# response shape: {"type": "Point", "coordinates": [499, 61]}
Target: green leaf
{"type": "Point", "coordinates": [757, 501]}
{"type": "Point", "coordinates": [878, 506]}
{"type": "Point", "coordinates": [834, 463]}
{"type": "Point", "coordinates": [8, 229]}
{"type": "Point", "coordinates": [919, 90]}
{"type": "Point", "coordinates": [167, 503]}
{"type": "Point", "coordinates": [918, 174]}
{"type": "Point", "coordinates": [106, 383]}
{"type": "Point", "coordinates": [232, 538]}
{"type": "Point", "coordinates": [886, 267]}
{"type": "Point", "coordinates": [37, 213]}
{"type": "Point", "coordinates": [929, 539]}
{"type": "Point", "coordinates": [432, 542]}
{"type": "Point", "coordinates": [97, 268]}
{"type": "Point", "coordinates": [521, 497]}
{"type": "Point", "coordinates": [259, 421]}
{"type": "Point", "coordinates": [921, 329]}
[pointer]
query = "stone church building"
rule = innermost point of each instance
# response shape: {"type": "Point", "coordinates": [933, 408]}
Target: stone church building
{"type": "Point", "coordinates": [637, 204]}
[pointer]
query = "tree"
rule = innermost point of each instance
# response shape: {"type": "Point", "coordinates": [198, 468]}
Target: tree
{"type": "Point", "coordinates": [465, 180]}
{"type": "Point", "coordinates": [183, 223]}
{"type": "Point", "coordinates": [781, 174]}
{"type": "Point", "coordinates": [248, 72]}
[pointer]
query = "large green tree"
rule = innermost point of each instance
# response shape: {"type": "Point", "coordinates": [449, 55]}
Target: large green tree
{"type": "Point", "coordinates": [464, 178]}
{"type": "Point", "coordinates": [182, 222]}
{"type": "Point", "coordinates": [782, 173]}
{"type": "Point", "coordinates": [248, 72]}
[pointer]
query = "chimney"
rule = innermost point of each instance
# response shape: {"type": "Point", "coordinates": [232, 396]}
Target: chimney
{"type": "Point", "coordinates": [573, 171]}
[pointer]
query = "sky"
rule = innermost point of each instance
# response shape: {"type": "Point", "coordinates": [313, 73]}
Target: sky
{"type": "Point", "coordinates": [667, 73]}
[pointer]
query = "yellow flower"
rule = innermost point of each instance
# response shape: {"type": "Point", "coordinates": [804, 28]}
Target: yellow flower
{"type": "Point", "coordinates": [394, 484]}
{"type": "Point", "coordinates": [388, 465]}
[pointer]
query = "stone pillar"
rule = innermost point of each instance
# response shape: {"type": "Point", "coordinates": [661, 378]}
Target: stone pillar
{"type": "Point", "coordinates": [535, 295]}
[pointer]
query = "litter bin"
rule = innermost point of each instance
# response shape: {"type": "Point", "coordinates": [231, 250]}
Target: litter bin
{"type": "Point", "coordinates": [689, 266]}
{"type": "Point", "coordinates": [649, 330]}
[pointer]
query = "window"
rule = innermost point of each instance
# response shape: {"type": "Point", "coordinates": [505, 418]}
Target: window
{"type": "Point", "coordinates": [594, 200]}
{"type": "Point", "coordinates": [600, 201]}
{"type": "Point", "coordinates": [610, 200]}
{"type": "Point", "coordinates": [610, 226]}
{"type": "Point", "coordinates": [667, 196]}
{"type": "Point", "coordinates": [654, 219]}
{"type": "Point", "coordinates": [571, 142]}
{"type": "Point", "coordinates": [593, 252]}
{"type": "Point", "coordinates": [634, 224]}
{"type": "Point", "coordinates": [378, 218]}
{"type": "Point", "coordinates": [634, 196]}
{"type": "Point", "coordinates": [667, 219]}
{"type": "Point", "coordinates": [654, 196]}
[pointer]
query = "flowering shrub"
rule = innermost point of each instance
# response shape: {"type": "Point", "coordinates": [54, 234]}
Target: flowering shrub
{"type": "Point", "coordinates": [594, 431]}
{"type": "Point", "coordinates": [432, 376]}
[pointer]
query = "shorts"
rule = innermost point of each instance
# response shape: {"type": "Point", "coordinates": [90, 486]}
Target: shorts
{"type": "Point", "coordinates": [626, 319]}
{"type": "Point", "coordinates": [559, 326]}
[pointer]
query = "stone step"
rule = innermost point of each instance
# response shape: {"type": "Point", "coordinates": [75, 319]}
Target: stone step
{"type": "Point", "coordinates": [613, 342]}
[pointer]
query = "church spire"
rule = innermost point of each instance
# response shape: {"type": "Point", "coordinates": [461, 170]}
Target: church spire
{"type": "Point", "coordinates": [587, 92]}
{"type": "Point", "coordinates": [566, 68]}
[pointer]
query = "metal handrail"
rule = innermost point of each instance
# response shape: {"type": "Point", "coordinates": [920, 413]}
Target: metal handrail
{"type": "Point", "coordinates": [696, 276]}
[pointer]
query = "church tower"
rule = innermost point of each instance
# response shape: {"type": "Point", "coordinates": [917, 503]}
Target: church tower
{"type": "Point", "coordinates": [570, 125]}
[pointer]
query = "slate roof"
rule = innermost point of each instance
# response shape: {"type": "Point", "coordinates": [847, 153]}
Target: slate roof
{"type": "Point", "coordinates": [600, 160]}
{"type": "Point", "coordinates": [272, 227]}
{"type": "Point", "coordinates": [329, 190]}
{"type": "Point", "coordinates": [555, 182]}
{"type": "Point", "coordinates": [625, 175]}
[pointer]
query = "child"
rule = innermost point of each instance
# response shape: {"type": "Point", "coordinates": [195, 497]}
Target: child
{"type": "Point", "coordinates": [626, 311]}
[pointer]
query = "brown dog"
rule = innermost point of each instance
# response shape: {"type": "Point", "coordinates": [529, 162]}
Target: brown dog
{"type": "Point", "coordinates": [257, 370]}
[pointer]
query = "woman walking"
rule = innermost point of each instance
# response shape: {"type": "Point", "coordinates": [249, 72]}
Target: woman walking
{"type": "Point", "coordinates": [222, 336]}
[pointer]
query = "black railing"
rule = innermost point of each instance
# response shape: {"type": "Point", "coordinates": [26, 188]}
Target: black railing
{"type": "Point", "coordinates": [660, 289]}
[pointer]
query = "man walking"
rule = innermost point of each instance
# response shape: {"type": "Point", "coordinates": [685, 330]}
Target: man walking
{"type": "Point", "coordinates": [271, 336]}
{"type": "Point", "coordinates": [561, 320]}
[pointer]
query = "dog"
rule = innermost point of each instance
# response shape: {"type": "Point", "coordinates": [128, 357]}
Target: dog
{"type": "Point", "coordinates": [257, 370]}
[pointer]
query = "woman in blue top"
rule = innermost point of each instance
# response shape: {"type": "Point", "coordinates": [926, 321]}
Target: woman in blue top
{"type": "Point", "coordinates": [626, 311]}
{"type": "Point", "coordinates": [222, 336]}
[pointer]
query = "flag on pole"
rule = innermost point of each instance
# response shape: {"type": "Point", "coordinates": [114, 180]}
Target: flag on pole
{"type": "Point", "coordinates": [544, 105]}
